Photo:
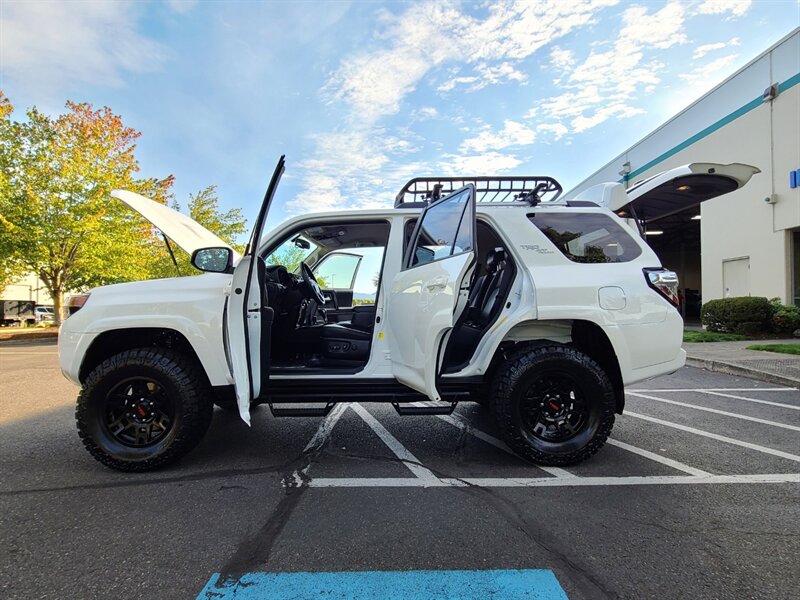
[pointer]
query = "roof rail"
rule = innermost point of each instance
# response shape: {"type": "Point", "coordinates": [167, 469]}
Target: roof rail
{"type": "Point", "coordinates": [489, 189]}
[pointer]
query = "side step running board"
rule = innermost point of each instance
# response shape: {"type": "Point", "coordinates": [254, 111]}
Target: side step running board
{"type": "Point", "coordinates": [301, 411]}
{"type": "Point", "coordinates": [406, 410]}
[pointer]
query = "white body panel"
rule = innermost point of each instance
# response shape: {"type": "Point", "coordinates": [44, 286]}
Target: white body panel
{"type": "Point", "coordinates": [549, 292]}
{"type": "Point", "coordinates": [244, 350]}
{"type": "Point", "coordinates": [191, 306]}
{"type": "Point", "coordinates": [422, 301]}
{"type": "Point", "coordinates": [182, 230]}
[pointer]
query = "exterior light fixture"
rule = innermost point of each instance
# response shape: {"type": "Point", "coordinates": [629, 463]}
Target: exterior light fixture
{"type": "Point", "coordinates": [653, 232]}
{"type": "Point", "coordinates": [696, 218]}
{"type": "Point", "coordinates": [684, 188]}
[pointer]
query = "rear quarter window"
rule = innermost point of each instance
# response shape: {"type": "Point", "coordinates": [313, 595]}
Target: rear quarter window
{"type": "Point", "coordinates": [587, 237]}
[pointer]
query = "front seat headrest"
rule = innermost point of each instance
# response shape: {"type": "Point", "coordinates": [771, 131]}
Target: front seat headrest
{"type": "Point", "coordinates": [494, 258]}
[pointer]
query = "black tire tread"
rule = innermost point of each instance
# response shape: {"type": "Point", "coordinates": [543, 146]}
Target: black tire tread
{"type": "Point", "coordinates": [185, 374]}
{"type": "Point", "coordinates": [517, 364]}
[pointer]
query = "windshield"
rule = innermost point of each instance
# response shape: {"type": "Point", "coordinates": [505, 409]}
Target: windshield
{"type": "Point", "coordinates": [292, 252]}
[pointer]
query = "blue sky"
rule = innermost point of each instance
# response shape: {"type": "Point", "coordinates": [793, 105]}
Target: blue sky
{"type": "Point", "coordinates": [362, 96]}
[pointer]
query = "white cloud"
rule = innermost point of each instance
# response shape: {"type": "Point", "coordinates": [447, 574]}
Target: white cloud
{"type": "Point", "coordinates": [737, 8]}
{"type": "Point", "coordinates": [662, 29]}
{"type": "Point", "coordinates": [562, 59]}
{"type": "Point", "coordinates": [704, 49]}
{"type": "Point", "coordinates": [428, 35]}
{"type": "Point", "coordinates": [181, 7]}
{"type": "Point", "coordinates": [703, 78]}
{"type": "Point", "coordinates": [512, 134]}
{"type": "Point", "coordinates": [610, 80]}
{"type": "Point", "coordinates": [374, 83]}
{"type": "Point", "coordinates": [557, 129]}
{"type": "Point", "coordinates": [46, 45]}
{"type": "Point", "coordinates": [424, 113]}
{"type": "Point", "coordinates": [486, 75]}
{"type": "Point", "coordinates": [488, 163]}
{"type": "Point", "coordinates": [450, 84]}
{"type": "Point", "coordinates": [356, 169]}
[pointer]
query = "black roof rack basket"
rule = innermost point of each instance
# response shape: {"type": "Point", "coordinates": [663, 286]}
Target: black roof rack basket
{"type": "Point", "coordinates": [490, 189]}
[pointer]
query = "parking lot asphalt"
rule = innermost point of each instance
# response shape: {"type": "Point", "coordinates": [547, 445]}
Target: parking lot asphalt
{"type": "Point", "coordinates": [697, 495]}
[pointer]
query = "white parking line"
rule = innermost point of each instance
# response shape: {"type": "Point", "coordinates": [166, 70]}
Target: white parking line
{"type": "Point", "coordinates": [329, 482]}
{"type": "Point", "coordinates": [324, 430]}
{"type": "Point", "coordinates": [714, 436]}
{"type": "Point", "coordinates": [400, 451]}
{"type": "Point", "coordinates": [717, 412]}
{"type": "Point", "coordinates": [771, 389]}
{"type": "Point", "coordinates": [658, 458]}
{"type": "Point", "coordinates": [458, 421]}
{"type": "Point", "coordinates": [779, 404]}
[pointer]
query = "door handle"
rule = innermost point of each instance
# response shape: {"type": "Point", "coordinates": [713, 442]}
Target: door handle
{"type": "Point", "coordinates": [436, 283]}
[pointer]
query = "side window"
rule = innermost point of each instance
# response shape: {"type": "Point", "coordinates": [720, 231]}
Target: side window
{"type": "Point", "coordinates": [447, 228]}
{"type": "Point", "coordinates": [587, 237]}
{"type": "Point", "coordinates": [338, 270]}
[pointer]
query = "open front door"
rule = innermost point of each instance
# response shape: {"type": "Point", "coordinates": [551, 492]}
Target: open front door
{"type": "Point", "coordinates": [424, 298]}
{"type": "Point", "coordinates": [248, 318]}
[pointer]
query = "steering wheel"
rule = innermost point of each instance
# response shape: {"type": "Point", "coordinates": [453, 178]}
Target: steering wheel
{"type": "Point", "coordinates": [309, 285]}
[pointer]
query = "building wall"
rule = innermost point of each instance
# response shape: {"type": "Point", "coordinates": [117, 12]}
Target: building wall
{"type": "Point", "coordinates": [28, 287]}
{"type": "Point", "coordinates": [733, 124]}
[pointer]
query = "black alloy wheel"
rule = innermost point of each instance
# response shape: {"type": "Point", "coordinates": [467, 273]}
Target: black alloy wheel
{"type": "Point", "coordinates": [555, 408]}
{"type": "Point", "coordinates": [553, 404]}
{"type": "Point", "coordinates": [139, 412]}
{"type": "Point", "coordinates": [143, 408]}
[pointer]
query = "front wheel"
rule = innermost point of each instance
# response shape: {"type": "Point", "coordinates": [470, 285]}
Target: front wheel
{"type": "Point", "coordinates": [142, 409]}
{"type": "Point", "coordinates": [553, 404]}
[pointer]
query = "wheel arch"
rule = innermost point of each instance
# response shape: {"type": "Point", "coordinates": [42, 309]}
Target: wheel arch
{"type": "Point", "coordinates": [587, 336]}
{"type": "Point", "coordinates": [114, 341]}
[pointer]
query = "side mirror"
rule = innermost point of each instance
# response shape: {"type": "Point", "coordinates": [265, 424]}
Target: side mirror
{"type": "Point", "coordinates": [213, 260]}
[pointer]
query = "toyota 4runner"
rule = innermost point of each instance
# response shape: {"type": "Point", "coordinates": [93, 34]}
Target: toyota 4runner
{"type": "Point", "coordinates": [485, 289]}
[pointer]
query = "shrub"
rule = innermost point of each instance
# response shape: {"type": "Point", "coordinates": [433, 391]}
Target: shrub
{"type": "Point", "coordinates": [785, 318]}
{"type": "Point", "coordinates": [747, 315]}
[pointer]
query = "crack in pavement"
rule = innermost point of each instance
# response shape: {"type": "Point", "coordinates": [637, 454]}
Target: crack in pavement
{"type": "Point", "coordinates": [256, 550]}
{"type": "Point", "coordinates": [158, 481]}
{"type": "Point", "coordinates": [512, 515]}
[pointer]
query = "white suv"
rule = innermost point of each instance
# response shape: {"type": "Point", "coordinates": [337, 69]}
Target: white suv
{"type": "Point", "coordinates": [486, 289]}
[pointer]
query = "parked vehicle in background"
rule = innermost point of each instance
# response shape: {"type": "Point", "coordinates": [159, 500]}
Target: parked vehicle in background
{"type": "Point", "coordinates": [486, 289]}
{"type": "Point", "coordinates": [44, 314]}
{"type": "Point", "coordinates": [15, 313]}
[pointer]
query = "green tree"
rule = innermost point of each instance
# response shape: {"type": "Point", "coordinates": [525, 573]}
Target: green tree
{"type": "Point", "coordinates": [204, 209]}
{"type": "Point", "coordinates": [56, 214]}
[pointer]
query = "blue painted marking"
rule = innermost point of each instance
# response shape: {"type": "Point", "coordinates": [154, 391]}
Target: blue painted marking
{"type": "Point", "coordinates": [755, 103]}
{"type": "Point", "coordinates": [793, 179]}
{"type": "Point", "coordinates": [530, 584]}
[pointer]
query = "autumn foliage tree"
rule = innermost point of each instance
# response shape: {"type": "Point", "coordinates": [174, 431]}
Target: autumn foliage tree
{"type": "Point", "coordinates": [56, 215]}
{"type": "Point", "coordinates": [203, 208]}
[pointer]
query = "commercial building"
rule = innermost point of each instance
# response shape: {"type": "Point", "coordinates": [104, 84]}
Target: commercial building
{"type": "Point", "coordinates": [747, 242]}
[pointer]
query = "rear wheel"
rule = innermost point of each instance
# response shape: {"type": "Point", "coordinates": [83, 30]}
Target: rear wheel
{"type": "Point", "coordinates": [142, 409]}
{"type": "Point", "coordinates": [553, 404]}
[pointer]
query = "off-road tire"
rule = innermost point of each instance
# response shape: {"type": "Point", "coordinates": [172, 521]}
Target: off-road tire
{"type": "Point", "coordinates": [184, 383]}
{"type": "Point", "coordinates": [522, 370]}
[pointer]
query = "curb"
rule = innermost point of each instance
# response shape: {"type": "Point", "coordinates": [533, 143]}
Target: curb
{"type": "Point", "coordinates": [35, 335]}
{"type": "Point", "coordinates": [733, 369]}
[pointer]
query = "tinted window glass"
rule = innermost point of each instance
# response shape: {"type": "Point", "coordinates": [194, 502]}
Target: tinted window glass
{"type": "Point", "coordinates": [587, 237]}
{"type": "Point", "coordinates": [439, 229]}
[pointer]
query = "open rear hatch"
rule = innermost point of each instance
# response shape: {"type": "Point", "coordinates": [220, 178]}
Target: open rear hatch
{"type": "Point", "coordinates": [679, 189]}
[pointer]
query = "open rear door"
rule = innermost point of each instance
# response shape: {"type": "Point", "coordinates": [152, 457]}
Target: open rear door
{"type": "Point", "coordinates": [248, 318]}
{"type": "Point", "coordinates": [424, 297]}
{"type": "Point", "coordinates": [678, 189]}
